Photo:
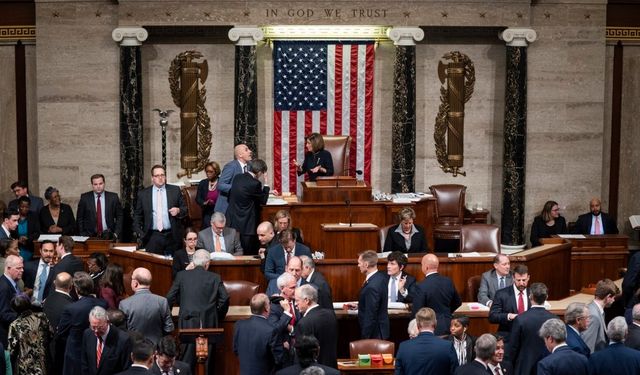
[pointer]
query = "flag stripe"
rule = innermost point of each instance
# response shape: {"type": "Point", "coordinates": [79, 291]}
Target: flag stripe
{"type": "Point", "coordinates": [368, 122]}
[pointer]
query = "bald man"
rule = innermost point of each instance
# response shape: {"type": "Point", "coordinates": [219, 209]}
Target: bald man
{"type": "Point", "coordinates": [146, 312]}
{"type": "Point", "coordinates": [59, 299]}
{"type": "Point", "coordinates": [595, 222]}
{"type": "Point", "coordinates": [242, 155]}
{"type": "Point", "coordinates": [436, 292]}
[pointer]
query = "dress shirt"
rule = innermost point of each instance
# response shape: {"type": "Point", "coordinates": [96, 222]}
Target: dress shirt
{"type": "Point", "coordinates": [165, 210]}
{"type": "Point", "coordinates": [397, 277]}
{"type": "Point", "coordinates": [525, 297]}
{"type": "Point", "coordinates": [593, 224]}
{"type": "Point", "coordinates": [461, 349]}
{"type": "Point", "coordinates": [493, 368]}
{"type": "Point", "coordinates": [6, 231]}
{"type": "Point", "coordinates": [558, 346]}
{"type": "Point", "coordinates": [369, 275]}
{"type": "Point", "coordinates": [407, 241]}
{"type": "Point", "coordinates": [36, 284]}
{"type": "Point", "coordinates": [223, 247]}
{"type": "Point", "coordinates": [102, 208]}
{"type": "Point", "coordinates": [310, 308]}
{"type": "Point", "coordinates": [104, 339]}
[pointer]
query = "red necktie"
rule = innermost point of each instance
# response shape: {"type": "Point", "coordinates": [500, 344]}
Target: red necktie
{"type": "Point", "coordinates": [98, 351]}
{"type": "Point", "coordinates": [520, 303]}
{"type": "Point", "coordinates": [99, 216]}
{"type": "Point", "coordinates": [293, 313]}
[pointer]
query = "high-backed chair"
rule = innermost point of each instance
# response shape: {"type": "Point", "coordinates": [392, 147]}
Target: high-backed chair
{"type": "Point", "coordinates": [194, 212]}
{"type": "Point", "coordinates": [240, 291]}
{"type": "Point", "coordinates": [471, 289]}
{"type": "Point", "coordinates": [449, 214]}
{"type": "Point", "coordinates": [480, 238]}
{"type": "Point", "coordinates": [338, 146]}
{"type": "Point", "coordinates": [371, 346]}
{"type": "Point", "coordinates": [382, 234]}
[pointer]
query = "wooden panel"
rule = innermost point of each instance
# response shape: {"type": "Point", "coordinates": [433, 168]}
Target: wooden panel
{"type": "Point", "coordinates": [324, 194]}
{"type": "Point", "coordinates": [344, 242]}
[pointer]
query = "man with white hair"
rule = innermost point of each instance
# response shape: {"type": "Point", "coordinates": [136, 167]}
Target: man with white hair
{"type": "Point", "coordinates": [284, 315]}
{"type": "Point", "coordinates": [13, 269]}
{"type": "Point", "coordinates": [633, 337]}
{"type": "Point", "coordinates": [615, 358]}
{"type": "Point", "coordinates": [576, 317]}
{"type": "Point", "coordinates": [318, 322]}
{"type": "Point", "coordinates": [485, 347]}
{"type": "Point", "coordinates": [219, 238]}
{"type": "Point", "coordinates": [105, 349]}
{"type": "Point", "coordinates": [563, 360]}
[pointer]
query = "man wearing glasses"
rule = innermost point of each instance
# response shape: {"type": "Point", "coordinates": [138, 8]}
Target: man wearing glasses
{"type": "Point", "coordinates": [219, 238]}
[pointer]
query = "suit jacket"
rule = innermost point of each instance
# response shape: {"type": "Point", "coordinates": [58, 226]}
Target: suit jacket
{"type": "Point", "coordinates": [148, 314]}
{"type": "Point", "coordinates": [246, 198]}
{"type": "Point", "coordinates": [30, 272]}
{"type": "Point", "coordinates": [230, 237]}
{"type": "Point", "coordinates": [563, 361]}
{"type": "Point", "coordinates": [137, 370]}
{"type": "Point", "coordinates": [202, 306]}
{"type": "Point", "coordinates": [575, 342]}
{"type": "Point", "coordinates": [373, 315]}
{"type": "Point", "coordinates": [489, 285]}
{"type": "Point", "coordinates": [278, 319]}
{"type": "Point", "coordinates": [7, 315]}
{"type": "Point", "coordinates": [4, 236]}
{"type": "Point", "coordinates": [275, 264]}
{"type": "Point", "coordinates": [68, 339]}
{"type": "Point", "coordinates": [36, 204]}
{"type": "Point", "coordinates": [470, 352]}
{"type": "Point", "coordinates": [229, 172]}
{"type": "Point", "coordinates": [321, 158]}
{"type": "Point", "coordinates": [504, 303]}
{"type": "Point", "coordinates": [631, 280]}
{"type": "Point", "coordinates": [325, 297]}
{"type": "Point", "coordinates": [395, 241]}
{"type": "Point", "coordinates": [506, 368]}
{"type": "Point", "coordinates": [322, 324]}
{"type": "Point", "coordinates": [526, 347]}
{"type": "Point", "coordinates": [595, 336]}
{"type": "Point", "coordinates": [472, 367]}
{"type": "Point", "coordinates": [201, 197]}
{"type": "Point", "coordinates": [583, 224]}
{"type": "Point", "coordinates": [615, 359]}
{"type": "Point", "coordinates": [411, 358]}
{"type": "Point", "coordinates": [633, 337]}
{"type": "Point", "coordinates": [255, 344]}
{"type": "Point", "coordinates": [179, 368]}
{"type": "Point", "coordinates": [143, 213]}
{"type": "Point", "coordinates": [410, 285]}
{"type": "Point", "coordinates": [66, 220]}
{"type": "Point", "coordinates": [296, 369]}
{"type": "Point", "coordinates": [180, 261]}
{"type": "Point", "coordinates": [439, 293]}
{"type": "Point", "coordinates": [86, 213]}
{"type": "Point", "coordinates": [69, 264]}
{"type": "Point", "coordinates": [116, 352]}
{"type": "Point", "coordinates": [53, 307]}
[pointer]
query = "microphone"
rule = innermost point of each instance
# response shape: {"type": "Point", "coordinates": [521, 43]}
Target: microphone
{"type": "Point", "coordinates": [358, 172]}
{"type": "Point", "coordinates": [347, 201]}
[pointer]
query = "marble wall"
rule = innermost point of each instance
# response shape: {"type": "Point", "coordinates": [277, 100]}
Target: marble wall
{"type": "Point", "coordinates": [8, 145]}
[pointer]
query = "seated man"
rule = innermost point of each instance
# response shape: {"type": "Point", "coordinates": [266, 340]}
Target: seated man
{"type": "Point", "coordinates": [596, 221]}
{"type": "Point", "coordinates": [219, 238]}
{"type": "Point", "coordinates": [497, 278]}
{"type": "Point", "coordinates": [279, 255]}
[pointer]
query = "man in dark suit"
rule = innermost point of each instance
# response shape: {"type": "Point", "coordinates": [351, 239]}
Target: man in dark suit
{"type": "Point", "coordinates": [615, 358]}
{"type": "Point", "coordinates": [104, 204]}
{"type": "Point", "coordinates": [20, 189]}
{"type": "Point", "coordinates": [633, 337]}
{"type": "Point", "coordinates": [67, 262]}
{"type": "Point", "coordinates": [509, 302]}
{"type": "Point", "coordinates": [59, 299]}
{"type": "Point", "coordinates": [9, 224]}
{"type": "Point", "coordinates": [36, 271]}
{"type": "Point", "coordinates": [315, 278]}
{"type": "Point", "coordinates": [562, 360]}
{"type": "Point", "coordinates": [106, 350]}
{"type": "Point", "coordinates": [318, 322]}
{"type": "Point", "coordinates": [576, 317]}
{"type": "Point", "coordinates": [235, 167]}
{"type": "Point", "coordinates": [266, 236]}
{"type": "Point", "coordinates": [247, 195]}
{"type": "Point", "coordinates": [526, 346]}
{"type": "Point", "coordinates": [498, 278]}
{"type": "Point", "coordinates": [165, 359]}
{"type": "Point", "coordinates": [307, 349]}
{"type": "Point", "coordinates": [427, 353]}
{"type": "Point", "coordinates": [279, 255]}
{"type": "Point", "coordinates": [13, 269]}
{"type": "Point", "coordinates": [294, 267]}
{"type": "Point", "coordinates": [373, 315]}
{"type": "Point", "coordinates": [202, 298]}
{"type": "Point", "coordinates": [498, 365]}
{"type": "Point", "coordinates": [437, 292]}
{"type": "Point", "coordinates": [73, 322]}
{"type": "Point", "coordinates": [596, 221]}
{"type": "Point", "coordinates": [254, 339]}
{"type": "Point", "coordinates": [401, 285]}
{"type": "Point", "coordinates": [485, 347]}
{"type": "Point", "coordinates": [219, 237]}
{"type": "Point", "coordinates": [284, 315]}
{"type": "Point", "coordinates": [159, 210]}
{"type": "Point", "coordinates": [141, 356]}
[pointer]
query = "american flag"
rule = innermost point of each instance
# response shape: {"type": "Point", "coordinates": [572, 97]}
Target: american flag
{"type": "Point", "coordinates": [324, 87]}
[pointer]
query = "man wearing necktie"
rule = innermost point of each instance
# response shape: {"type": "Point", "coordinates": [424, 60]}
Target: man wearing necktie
{"type": "Point", "coordinates": [165, 362]}
{"type": "Point", "coordinates": [401, 284]}
{"type": "Point", "coordinates": [510, 301]}
{"type": "Point", "coordinates": [36, 272]}
{"type": "Point", "coordinates": [105, 349]}
{"type": "Point", "coordinates": [497, 364]}
{"type": "Point", "coordinates": [493, 280]}
{"type": "Point", "coordinates": [13, 269]}
{"type": "Point", "coordinates": [219, 237]}
{"type": "Point", "coordinates": [283, 315]}
{"type": "Point", "coordinates": [99, 212]}
{"type": "Point", "coordinates": [595, 222]}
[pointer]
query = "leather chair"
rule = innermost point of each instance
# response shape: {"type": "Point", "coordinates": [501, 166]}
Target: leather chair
{"type": "Point", "coordinates": [371, 346]}
{"type": "Point", "coordinates": [338, 146]}
{"type": "Point", "coordinates": [240, 291]}
{"type": "Point", "coordinates": [382, 233]}
{"type": "Point", "coordinates": [470, 293]}
{"type": "Point", "coordinates": [480, 238]}
{"type": "Point", "coordinates": [194, 212]}
{"type": "Point", "coordinates": [449, 214]}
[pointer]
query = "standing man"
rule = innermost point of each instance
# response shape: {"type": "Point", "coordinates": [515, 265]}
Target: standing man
{"type": "Point", "coordinates": [294, 268]}
{"type": "Point", "coordinates": [485, 348]}
{"type": "Point", "coordinates": [401, 284]}
{"type": "Point", "coordinates": [21, 189]}
{"type": "Point", "coordinates": [254, 339]}
{"type": "Point", "coordinates": [13, 269]}
{"type": "Point", "coordinates": [10, 220]}
{"type": "Point", "coordinates": [279, 255]}
{"type": "Point", "coordinates": [58, 299]}
{"type": "Point", "coordinates": [67, 262]}
{"type": "Point", "coordinates": [633, 337]}
{"type": "Point", "coordinates": [576, 317]}
{"type": "Point", "coordinates": [36, 272]}
{"type": "Point", "coordinates": [595, 222]}
{"type": "Point", "coordinates": [202, 298]}
{"type": "Point", "coordinates": [146, 312]}
{"type": "Point", "coordinates": [595, 336]}
{"type": "Point", "coordinates": [498, 278]}
{"type": "Point", "coordinates": [437, 292]}
{"type": "Point", "coordinates": [318, 322]}
{"type": "Point", "coordinates": [242, 155]}
{"type": "Point", "coordinates": [373, 315]}
{"type": "Point", "coordinates": [158, 212]}
{"type": "Point", "coordinates": [511, 301]}
{"type": "Point", "coordinates": [219, 238]}
{"type": "Point", "coordinates": [427, 353]}
{"type": "Point", "coordinates": [315, 278]}
{"type": "Point", "coordinates": [265, 237]}
{"type": "Point", "coordinates": [498, 365]}
{"type": "Point", "coordinates": [165, 359]}
{"type": "Point", "coordinates": [563, 360]}
{"type": "Point", "coordinates": [99, 212]}
{"type": "Point", "coordinates": [247, 195]}
{"type": "Point", "coordinates": [106, 350]}
{"type": "Point", "coordinates": [284, 315]}
{"type": "Point", "coordinates": [615, 358]}
{"type": "Point", "coordinates": [142, 358]}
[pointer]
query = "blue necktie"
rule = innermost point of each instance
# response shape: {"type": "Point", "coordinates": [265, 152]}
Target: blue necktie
{"type": "Point", "coordinates": [43, 281]}
{"type": "Point", "coordinates": [394, 290]}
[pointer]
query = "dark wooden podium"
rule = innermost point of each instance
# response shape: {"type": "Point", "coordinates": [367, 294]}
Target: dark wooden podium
{"type": "Point", "coordinates": [341, 241]}
{"type": "Point", "coordinates": [336, 189]}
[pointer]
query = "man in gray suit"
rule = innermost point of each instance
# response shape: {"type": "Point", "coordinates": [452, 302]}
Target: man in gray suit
{"type": "Point", "coordinates": [594, 336]}
{"type": "Point", "coordinates": [219, 238]}
{"type": "Point", "coordinates": [242, 155]}
{"type": "Point", "coordinates": [497, 278]}
{"type": "Point", "coordinates": [146, 312]}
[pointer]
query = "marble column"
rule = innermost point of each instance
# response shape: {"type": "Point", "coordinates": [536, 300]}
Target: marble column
{"type": "Point", "coordinates": [515, 134]}
{"type": "Point", "coordinates": [246, 86]}
{"type": "Point", "coordinates": [403, 126]}
{"type": "Point", "coordinates": [131, 132]}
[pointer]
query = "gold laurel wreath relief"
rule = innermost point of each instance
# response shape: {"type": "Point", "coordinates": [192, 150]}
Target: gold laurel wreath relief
{"type": "Point", "coordinates": [458, 81]}
{"type": "Point", "coordinates": [195, 124]}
